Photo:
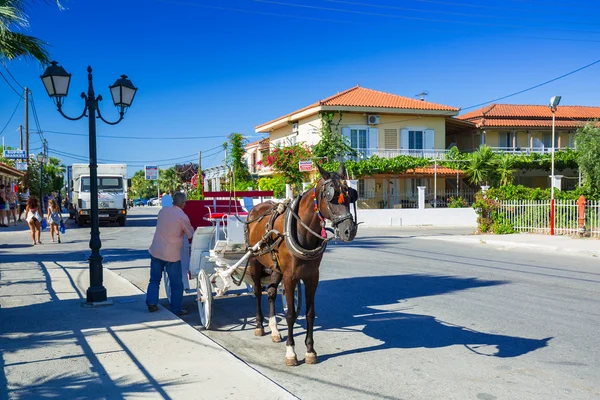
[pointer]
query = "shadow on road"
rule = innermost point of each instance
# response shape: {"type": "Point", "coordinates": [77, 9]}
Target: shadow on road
{"type": "Point", "coordinates": [344, 304]}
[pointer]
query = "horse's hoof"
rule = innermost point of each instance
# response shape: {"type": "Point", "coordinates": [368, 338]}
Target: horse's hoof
{"type": "Point", "coordinates": [291, 362]}
{"type": "Point", "coordinates": [259, 332]}
{"type": "Point", "coordinates": [276, 338]}
{"type": "Point", "coordinates": [311, 358]}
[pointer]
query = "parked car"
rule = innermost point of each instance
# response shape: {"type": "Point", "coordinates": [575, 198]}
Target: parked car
{"type": "Point", "coordinates": [140, 202]}
{"type": "Point", "coordinates": [154, 201]}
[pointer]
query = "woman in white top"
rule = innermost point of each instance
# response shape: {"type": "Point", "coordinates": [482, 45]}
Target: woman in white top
{"type": "Point", "coordinates": [34, 219]}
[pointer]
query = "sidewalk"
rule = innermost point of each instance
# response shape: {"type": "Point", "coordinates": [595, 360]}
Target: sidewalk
{"type": "Point", "coordinates": [546, 243]}
{"type": "Point", "coordinates": [53, 347]}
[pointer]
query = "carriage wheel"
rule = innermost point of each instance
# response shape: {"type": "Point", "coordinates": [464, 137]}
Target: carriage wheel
{"type": "Point", "coordinates": [204, 299]}
{"type": "Point", "coordinates": [297, 298]}
{"type": "Point", "coordinates": [167, 285]}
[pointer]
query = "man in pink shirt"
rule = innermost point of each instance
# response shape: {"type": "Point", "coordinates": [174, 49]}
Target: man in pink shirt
{"type": "Point", "coordinates": [165, 253]}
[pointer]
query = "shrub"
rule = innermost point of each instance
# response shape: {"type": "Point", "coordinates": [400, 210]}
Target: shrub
{"type": "Point", "coordinates": [457, 202]}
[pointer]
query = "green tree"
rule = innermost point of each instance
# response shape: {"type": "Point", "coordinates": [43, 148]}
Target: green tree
{"type": "Point", "coordinates": [506, 169]}
{"type": "Point", "coordinates": [481, 168]}
{"type": "Point", "coordinates": [140, 187]}
{"type": "Point", "coordinates": [587, 141]}
{"type": "Point", "coordinates": [52, 176]}
{"type": "Point", "coordinates": [169, 180]}
{"type": "Point", "coordinates": [14, 43]}
{"type": "Point", "coordinates": [235, 153]}
{"type": "Point", "coordinates": [332, 145]}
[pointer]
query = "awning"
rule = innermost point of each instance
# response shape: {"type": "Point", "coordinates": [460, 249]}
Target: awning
{"type": "Point", "coordinates": [220, 171]}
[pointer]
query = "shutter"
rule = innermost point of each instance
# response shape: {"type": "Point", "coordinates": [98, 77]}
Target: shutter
{"type": "Point", "coordinates": [390, 139]}
{"type": "Point", "coordinates": [429, 139]}
{"type": "Point", "coordinates": [404, 139]}
{"type": "Point", "coordinates": [346, 135]}
{"type": "Point", "coordinates": [369, 188]}
{"type": "Point", "coordinates": [373, 140]}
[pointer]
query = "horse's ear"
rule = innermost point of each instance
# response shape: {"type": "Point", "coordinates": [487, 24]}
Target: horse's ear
{"type": "Point", "coordinates": [324, 174]}
{"type": "Point", "coordinates": [342, 170]}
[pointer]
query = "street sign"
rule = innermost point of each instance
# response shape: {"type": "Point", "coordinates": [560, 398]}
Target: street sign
{"type": "Point", "coordinates": [15, 154]}
{"type": "Point", "coordinates": [195, 181]}
{"type": "Point", "coordinates": [151, 172]}
{"type": "Point", "coordinates": [305, 166]}
{"type": "Point", "coordinates": [21, 166]}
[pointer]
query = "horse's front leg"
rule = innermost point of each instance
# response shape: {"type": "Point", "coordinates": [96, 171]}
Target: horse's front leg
{"type": "Point", "coordinates": [290, 353]}
{"type": "Point", "coordinates": [310, 288]}
{"type": "Point", "coordinates": [256, 269]}
{"type": "Point", "coordinates": [276, 277]}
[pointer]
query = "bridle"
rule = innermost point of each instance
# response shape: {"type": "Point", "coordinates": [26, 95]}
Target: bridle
{"type": "Point", "coordinates": [343, 195]}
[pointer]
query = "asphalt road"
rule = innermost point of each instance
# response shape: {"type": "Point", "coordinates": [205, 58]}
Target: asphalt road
{"type": "Point", "coordinates": [404, 318]}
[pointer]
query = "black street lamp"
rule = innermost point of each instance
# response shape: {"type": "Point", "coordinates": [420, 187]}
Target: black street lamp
{"type": "Point", "coordinates": [56, 81]}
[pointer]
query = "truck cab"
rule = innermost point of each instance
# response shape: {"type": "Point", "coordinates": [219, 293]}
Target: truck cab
{"type": "Point", "coordinates": [112, 193]}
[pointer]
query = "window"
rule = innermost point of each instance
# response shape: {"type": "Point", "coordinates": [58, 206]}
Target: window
{"type": "Point", "coordinates": [547, 139]}
{"type": "Point", "coordinates": [415, 140]}
{"type": "Point", "coordinates": [361, 188]}
{"type": "Point", "coordinates": [358, 138]}
{"type": "Point", "coordinates": [105, 184]}
{"type": "Point", "coordinates": [415, 183]}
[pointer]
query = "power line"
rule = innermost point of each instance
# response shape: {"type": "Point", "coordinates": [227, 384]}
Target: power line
{"type": "Point", "coordinates": [293, 16]}
{"type": "Point", "coordinates": [11, 116]}
{"type": "Point", "coordinates": [14, 79]}
{"type": "Point", "coordinates": [11, 86]}
{"type": "Point", "coordinates": [417, 18]}
{"type": "Point", "coordinates": [141, 138]}
{"type": "Point", "coordinates": [533, 87]}
{"type": "Point", "coordinates": [479, 16]}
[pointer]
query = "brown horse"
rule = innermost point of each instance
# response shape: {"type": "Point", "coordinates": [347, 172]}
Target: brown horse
{"type": "Point", "coordinates": [295, 239]}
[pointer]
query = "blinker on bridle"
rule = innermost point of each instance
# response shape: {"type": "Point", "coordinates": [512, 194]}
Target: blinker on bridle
{"type": "Point", "coordinates": [328, 193]}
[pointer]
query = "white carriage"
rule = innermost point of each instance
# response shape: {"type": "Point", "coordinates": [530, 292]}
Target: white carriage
{"type": "Point", "coordinates": [216, 260]}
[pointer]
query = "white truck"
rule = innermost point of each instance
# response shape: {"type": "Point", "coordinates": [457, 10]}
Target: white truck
{"type": "Point", "coordinates": [112, 193]}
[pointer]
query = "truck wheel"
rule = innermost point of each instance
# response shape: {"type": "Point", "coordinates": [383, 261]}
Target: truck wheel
{"type": "Point", "coordinates": [122, 221]}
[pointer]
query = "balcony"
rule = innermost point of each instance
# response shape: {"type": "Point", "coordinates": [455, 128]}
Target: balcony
{"type": "Point", "coordinates": [393, 153]}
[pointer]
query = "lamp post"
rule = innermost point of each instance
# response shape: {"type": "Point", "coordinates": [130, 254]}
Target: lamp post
{"type": "Point", "coordinates": [554, 101]}
{"type": "Point", "coordinates": [56, 81]}
{"type": "Point", "coordinates": [41, 159]}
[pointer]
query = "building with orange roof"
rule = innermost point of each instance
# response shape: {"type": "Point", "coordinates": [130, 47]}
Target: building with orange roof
{"type": "Point", "coordinates": [523, 128]}
{"type": "Point", "coordinates": [382, 124]}
{"type": "Point", "coordinates": [516, 128]}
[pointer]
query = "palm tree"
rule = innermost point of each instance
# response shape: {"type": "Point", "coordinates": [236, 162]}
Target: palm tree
{"type": "Point", "coordinates": [14, 44]}
{"type": "Point", "coordinates": [506, 169]}
{"type": "Point", "coordinates": [482, 166]}
{"type": "Point", "coordinates": [169, 180]}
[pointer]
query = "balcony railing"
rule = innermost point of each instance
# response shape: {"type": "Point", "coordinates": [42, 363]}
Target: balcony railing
{"type": "Point", "coordinates": [392, 153]}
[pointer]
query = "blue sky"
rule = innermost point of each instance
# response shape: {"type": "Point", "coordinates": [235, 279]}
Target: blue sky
{"type": "Point", "coordinates": [207, 68]}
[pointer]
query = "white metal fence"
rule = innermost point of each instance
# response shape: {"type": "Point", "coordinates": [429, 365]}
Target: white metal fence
{"type": "Point", "coordinates": [534, 216]}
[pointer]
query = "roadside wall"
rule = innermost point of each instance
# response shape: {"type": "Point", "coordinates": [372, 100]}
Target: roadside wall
{"type": "Point", "coordinates": [463, 217]}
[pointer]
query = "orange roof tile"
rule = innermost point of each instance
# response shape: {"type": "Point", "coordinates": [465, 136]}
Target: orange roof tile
{"type": "Point", "coordinates": [369, 98]}
{"type": "Point", "coordinates": [515, 115]}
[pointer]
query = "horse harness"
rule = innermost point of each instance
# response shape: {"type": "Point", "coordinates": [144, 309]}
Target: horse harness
{"type": "Point", "coordinates": [272, 238]}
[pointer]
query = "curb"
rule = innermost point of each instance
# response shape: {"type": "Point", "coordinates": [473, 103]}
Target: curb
{"type": "Point", "coordinates": [508, 245]}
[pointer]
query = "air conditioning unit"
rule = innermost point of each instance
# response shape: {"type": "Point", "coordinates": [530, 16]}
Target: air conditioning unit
{"type": "Point", "coordinates": [373, 119]}
{"type": "Point", "coordinates": [295, 127]}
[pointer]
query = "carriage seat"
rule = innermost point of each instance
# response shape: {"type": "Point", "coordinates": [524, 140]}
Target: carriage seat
{"type": "Point", "coordinates": [202, 243]}
{"type": "Point", "coordinates": [222, 208]}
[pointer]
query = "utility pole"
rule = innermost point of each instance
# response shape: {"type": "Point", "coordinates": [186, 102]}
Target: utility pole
{"type": "Point", "coordinates": [199, 173]}
{"type": "Point", "coordinates": [21, 136]}
{"type": "Point", "coordinates": [26, 179]}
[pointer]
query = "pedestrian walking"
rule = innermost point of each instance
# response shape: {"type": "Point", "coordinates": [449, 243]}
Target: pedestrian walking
{"type": "Point", "coordinates": [34, 219]}
{"type": "Point", "coordinates": [23, 197]}
{"type": "Point", "coordinates": [54, 219]}
{"type": "Point", "coordinates": [165, 253]}
{"type": "Point", "coordinates": [11, 199]}
{"type": "Point", "coordinates": [3, 206]}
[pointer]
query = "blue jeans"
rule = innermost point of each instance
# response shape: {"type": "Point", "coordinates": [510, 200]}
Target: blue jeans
{"type": "Point", "coordinates": [174, 272]}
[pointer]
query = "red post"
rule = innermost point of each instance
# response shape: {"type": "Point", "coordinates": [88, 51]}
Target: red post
{"type": "Point", "coordinates": [552, 217]}
{"type": "Point", "coordinates": [581, 214]}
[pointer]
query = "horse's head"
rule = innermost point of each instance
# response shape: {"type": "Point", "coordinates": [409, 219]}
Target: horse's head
{"type": "Point", "coordinates": [334, 199]}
